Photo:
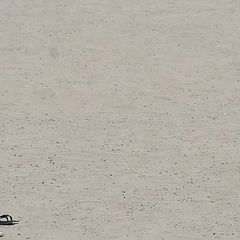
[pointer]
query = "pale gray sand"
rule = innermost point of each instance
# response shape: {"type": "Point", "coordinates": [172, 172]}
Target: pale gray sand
{"type": "Point", "coordinates": [120, 119]}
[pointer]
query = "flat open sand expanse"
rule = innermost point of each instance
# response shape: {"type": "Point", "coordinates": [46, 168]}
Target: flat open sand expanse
{"type": "Point", "coordinates": [120, 119]}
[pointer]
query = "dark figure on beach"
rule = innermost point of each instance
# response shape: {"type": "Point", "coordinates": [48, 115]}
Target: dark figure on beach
{"type": "Point", "coordinates": [8, 217]}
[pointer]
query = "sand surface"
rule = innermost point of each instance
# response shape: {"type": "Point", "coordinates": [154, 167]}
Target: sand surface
{"type": "Point", "coordinates": [120, 119]}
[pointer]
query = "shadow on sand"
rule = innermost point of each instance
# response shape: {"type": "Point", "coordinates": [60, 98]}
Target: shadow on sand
{"type": "Point", "coordinates": [6, 223]}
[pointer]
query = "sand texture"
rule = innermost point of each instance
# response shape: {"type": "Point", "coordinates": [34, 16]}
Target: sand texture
{"type": "Point", "coordinates": [120, 119]}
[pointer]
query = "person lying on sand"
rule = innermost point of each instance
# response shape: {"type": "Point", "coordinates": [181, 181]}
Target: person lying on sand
{"type": "Point", "coordinates": [8, 217]}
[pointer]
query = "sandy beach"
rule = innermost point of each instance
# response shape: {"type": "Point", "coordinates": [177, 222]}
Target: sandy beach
{"type": "Point", "coordinates": [120, 119]}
